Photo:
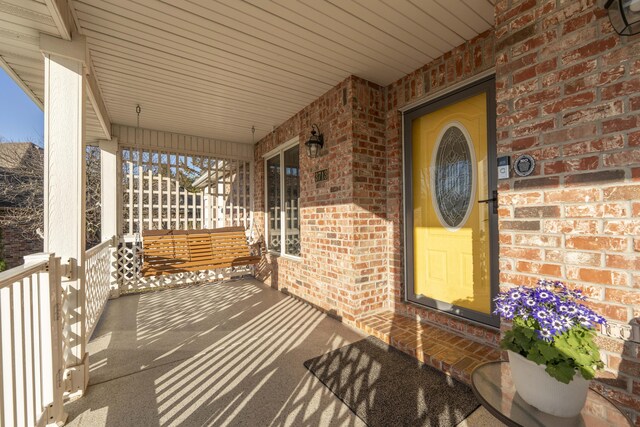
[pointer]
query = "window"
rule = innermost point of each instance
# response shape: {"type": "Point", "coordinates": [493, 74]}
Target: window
{"type": "Point", "coordinates": [283, 201]}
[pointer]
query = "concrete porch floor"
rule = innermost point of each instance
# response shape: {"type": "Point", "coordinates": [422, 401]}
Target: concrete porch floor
{"type": "Point", "coordinates": [217, 354]}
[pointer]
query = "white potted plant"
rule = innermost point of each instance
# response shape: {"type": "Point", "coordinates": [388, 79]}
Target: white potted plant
{"type": "Point", "coordinates": [551, 345]}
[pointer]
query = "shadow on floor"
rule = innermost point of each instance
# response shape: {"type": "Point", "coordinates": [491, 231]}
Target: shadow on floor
{"type": "Point", "coordinates": [217, 354]}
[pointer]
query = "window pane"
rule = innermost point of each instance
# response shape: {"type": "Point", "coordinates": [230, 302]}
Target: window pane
{"type": "Point", "coordinates": [291, 200]}
{"type": "Point", "coordinates": [273, 202]}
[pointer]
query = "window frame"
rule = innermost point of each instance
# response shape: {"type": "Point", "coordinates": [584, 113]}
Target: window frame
{"type": "Point", "coordinates": [279, 152]}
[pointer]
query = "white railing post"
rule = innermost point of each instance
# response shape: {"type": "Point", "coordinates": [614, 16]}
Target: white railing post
{"type": "Point", "coordinates": [51, 344]}
{"type": "Point", "coordinates": [65, 177]}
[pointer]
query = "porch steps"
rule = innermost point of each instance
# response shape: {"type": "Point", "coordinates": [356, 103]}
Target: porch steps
{"type": "Point", "coordinates": [440, 348]}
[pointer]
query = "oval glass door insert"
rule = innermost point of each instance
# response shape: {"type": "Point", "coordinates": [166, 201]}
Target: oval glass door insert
{"type": "Point", "coordinates": [452, 176]}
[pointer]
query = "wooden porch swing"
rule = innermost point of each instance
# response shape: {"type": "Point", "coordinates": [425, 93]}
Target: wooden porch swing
{"type": "Point", "coordinates": [179, 251]}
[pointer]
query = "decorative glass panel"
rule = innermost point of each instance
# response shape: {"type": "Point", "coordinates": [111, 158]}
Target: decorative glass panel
{"type": "Point", "coordinates": [453, 177]}
{"type": "Point", "coordinates": [273, 203]}
{"type": "Point", "coordinates": [291, 200]}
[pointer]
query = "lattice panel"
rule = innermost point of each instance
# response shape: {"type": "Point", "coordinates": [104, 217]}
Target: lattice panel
{"type": "Point", "coordinates": [97, 283]}
{"type": "Point", "coordinates": [129, 264]}
{"type": "Point", "coordinates": [168, 190]}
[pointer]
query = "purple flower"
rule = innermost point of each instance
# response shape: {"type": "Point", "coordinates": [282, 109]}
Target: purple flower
{"type": "Point", "coordinates": [524, 313]}
{"type": "Point", "coordinates": [543, 295]}
{"type": "Point", "coordinates": [558, 325]}
{"type": "Point", "coordinates": [541, 315]}
{"type": "Point", "coordinates": [515, 295]}
{"type": "Point", "coordinates": [584, 321]}
{"type": "Point", "coordinates": [552, 308]}
{"type": "Point", "coordinates": [595, 318]}
{"type": "Point", "coordinates": [545, 334]}
{"type": "Point", "coordinates": [572, 309]}
{"type": "Point", "coordinates": [566, 321]}
{"type": "Point", "coordinates": [559, 285]}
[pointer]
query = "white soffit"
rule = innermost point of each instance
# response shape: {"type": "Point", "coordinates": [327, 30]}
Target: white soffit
{"type": "Point", "coordinates": [217, 68]}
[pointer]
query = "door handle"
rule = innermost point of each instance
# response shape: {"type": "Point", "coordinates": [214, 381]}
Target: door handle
{"type": "Point", "coordinates": [493, 200]}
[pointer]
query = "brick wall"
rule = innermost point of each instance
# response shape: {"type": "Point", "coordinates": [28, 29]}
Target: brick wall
{"type": "Point", "coordinates": [568, 92]}
{"type": "Point", "coordinates": [343, 266]}
{"type": "Point", "coordinates": [16, 246]}
{"type": "Point", "coordinates": [369, 197]}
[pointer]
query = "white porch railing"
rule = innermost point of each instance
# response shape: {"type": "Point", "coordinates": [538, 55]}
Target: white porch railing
{"type": "Point", "coordinates": [97, 270]}
{"type": "Point", "coordinates": [31, 367]}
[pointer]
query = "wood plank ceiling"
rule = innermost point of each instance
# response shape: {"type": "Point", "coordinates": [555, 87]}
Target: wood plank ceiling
{"type": "Point", "coordinates": [217, 68]}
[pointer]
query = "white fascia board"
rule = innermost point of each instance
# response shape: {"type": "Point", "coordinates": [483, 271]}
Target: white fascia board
{"type": "Point", "coordinates": [62, 15]}
{"type": "Point", "coordinates": [97, 102]}
{"type": "Point", "coordinates": [14, 76]}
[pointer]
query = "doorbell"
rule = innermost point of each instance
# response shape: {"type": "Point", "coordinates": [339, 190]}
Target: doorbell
{"type": "Point", "coordinates": [503, 167]}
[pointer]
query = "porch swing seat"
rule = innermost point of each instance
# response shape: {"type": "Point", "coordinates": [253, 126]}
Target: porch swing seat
{"type": "Point", "coordinates": [178, 251]}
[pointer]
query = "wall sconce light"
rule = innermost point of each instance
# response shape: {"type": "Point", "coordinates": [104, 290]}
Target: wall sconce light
{"type": "Point", "coordinates": [315, 142]}
{"type": "Point", "coordinates": [624, 16]}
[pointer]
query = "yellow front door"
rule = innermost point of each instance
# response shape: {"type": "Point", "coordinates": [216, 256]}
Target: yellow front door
{"type": "Point", "coordinates": [451, 227]}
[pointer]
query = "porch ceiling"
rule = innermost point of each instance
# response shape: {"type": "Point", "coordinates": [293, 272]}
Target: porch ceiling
{"type": "Point", "coordinates": [217, 68]}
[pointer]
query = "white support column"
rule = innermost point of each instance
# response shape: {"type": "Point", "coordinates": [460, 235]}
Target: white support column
{"type": "Point", "coordinates": [111, 204]}
{"type": "Point", "coordinates": [110, 189]}
{"type": "Point", "coordinates": [65, 176]}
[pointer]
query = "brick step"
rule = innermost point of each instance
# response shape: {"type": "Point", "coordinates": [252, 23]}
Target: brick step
{"type": "Point", "coordinates": [440, 348]}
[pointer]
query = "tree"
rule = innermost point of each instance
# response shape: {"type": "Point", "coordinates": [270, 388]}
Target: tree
{"type": "Point", "coordinates": [92, 203]}
{"type": "Point", "coordinates": [22, 190]}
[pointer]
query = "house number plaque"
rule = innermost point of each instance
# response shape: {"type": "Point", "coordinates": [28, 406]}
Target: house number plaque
{"type": "Point", "coordinates": [322, 175]}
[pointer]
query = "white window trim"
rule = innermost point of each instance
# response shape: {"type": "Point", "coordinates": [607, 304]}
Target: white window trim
{"type": "Point", "coordinates": [282, 147]}
{"type": "Point", "coordinates": [278, 151]}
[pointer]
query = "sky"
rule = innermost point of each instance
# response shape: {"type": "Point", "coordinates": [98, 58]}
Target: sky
{"type": "Point", "coordinates": [20, 118]}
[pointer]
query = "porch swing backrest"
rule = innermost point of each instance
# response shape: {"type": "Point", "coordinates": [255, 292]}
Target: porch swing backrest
{"type": "Point", "coordinates": [179, 251]}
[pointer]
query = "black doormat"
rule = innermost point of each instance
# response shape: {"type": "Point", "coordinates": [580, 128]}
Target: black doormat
{"type": "Point", "coordinates": [386, 387]}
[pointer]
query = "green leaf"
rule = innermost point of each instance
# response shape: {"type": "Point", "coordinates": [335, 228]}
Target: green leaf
{"type": "Point", "coordinates": [587, 372]}
{"type": "Point", "coordinates": [537, 357]}
{"type": "Point", "coordinates": [563, 372]}
{"type": "Point", "coordinates": [548, 352]}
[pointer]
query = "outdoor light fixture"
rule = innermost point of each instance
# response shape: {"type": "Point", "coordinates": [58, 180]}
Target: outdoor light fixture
{"type": "Point", "coordinates": [624, 16]}
{"type": "Point", "coordinates": [315, 142]}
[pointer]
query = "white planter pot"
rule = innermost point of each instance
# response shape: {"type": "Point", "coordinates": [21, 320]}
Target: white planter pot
{"type": "Point", "coordinates": [541, 390]}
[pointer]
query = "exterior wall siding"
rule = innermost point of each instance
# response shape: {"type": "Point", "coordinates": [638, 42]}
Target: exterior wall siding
{"type": "Point", "coordinates": [567, 94]}
{"type": "Point", "coordinates": [176, 142]}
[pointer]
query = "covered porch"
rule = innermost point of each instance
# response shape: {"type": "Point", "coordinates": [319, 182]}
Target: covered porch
{"type": "Point", "coordinates": [201, 111]}
{"type": "Point", "coordinates": [229, 353]}
{"type": "Point", "coordinates": [213, 354]}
